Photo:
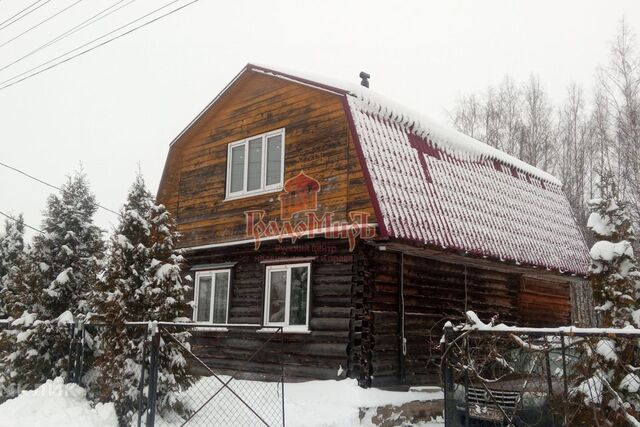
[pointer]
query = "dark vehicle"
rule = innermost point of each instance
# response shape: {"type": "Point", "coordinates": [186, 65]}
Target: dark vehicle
{"type": "Point", "coordinates": [518, 387]}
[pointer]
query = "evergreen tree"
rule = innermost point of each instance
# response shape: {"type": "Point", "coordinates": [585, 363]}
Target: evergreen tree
{"type": "Point", "coordinates": [71, 248]}
{"type": "Point", "coordinates": [609, 382]}
{"type": "Point", "coordinates": [614, 270]}
{"type": "Point", "coordinates": [11, 253]}
{"type": "Point", "coordinates": [51, 285]}
{"type": "Point", "coordinates": [141, 282]}
{"type": "Point", "coordinates": [166, 299]}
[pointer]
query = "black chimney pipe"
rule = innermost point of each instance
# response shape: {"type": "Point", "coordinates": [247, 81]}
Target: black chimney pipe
{"type": "Point", "coordinates": [365, 78]}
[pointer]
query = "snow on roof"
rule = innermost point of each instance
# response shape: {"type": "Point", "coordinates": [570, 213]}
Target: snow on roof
{"type": "Point", "coordinates": [444, 138]}
{"type": "Point", "coordinates": [440, 187]}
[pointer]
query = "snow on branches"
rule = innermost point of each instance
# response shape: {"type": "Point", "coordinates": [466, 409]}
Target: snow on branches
{"type": "Point", "coordinates": [614, 270]}
{"type": "Point", "coordinates": [141, 281]}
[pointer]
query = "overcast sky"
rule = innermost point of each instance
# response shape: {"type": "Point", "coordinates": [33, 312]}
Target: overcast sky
{"type": "Point", "coordinates": [124, 102]}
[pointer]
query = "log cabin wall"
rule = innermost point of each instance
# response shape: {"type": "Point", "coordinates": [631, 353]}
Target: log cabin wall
{"type": "Point", "coordinates": [321, 354]}
{"type": "Point", "coordinates": [434, 292]}
{"type": "Point", "coordinates": [317, 141]}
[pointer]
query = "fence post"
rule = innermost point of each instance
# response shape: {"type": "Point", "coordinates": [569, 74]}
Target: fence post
{"type": "Point", "coordinates": [549, 382]}
{"type": "Point", "coordinates": [448, 376]}
{"type": "Point", "coordinates": [564, 378]}
{"type": "Point", "coordinates": [282, 371]}
{"type": "Point", "coordinates": [153, 373]}
{"type": "Point", "coordinates": [143, 367]}
{"type": "Point", "coordinates": [71, 355]}
{"type": "Point", "coordinates": [79, 352]}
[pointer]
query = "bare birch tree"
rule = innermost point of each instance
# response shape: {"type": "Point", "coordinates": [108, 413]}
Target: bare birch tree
{"type": "Point", "coordinates": [620, 84]}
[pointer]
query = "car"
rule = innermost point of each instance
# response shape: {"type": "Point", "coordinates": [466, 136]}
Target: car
{"type": "Point", "coordinates": [514, 387]}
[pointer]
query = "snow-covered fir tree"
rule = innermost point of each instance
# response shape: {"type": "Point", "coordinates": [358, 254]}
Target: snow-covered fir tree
{"type": "Point", "coordinates": [609, 389]}
{"type": "Point", "coordinates": [71, 248]}
{"type": "Point", "coordinates": [53, 284]}
{"type": "Point", "coordinates": [141, 282]}
{"type": "Point", "coordinates": [11, 252]}
{"type": "Point", "coordinates": [615, 276]}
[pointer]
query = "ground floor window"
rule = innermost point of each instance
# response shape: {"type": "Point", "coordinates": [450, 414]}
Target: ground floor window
{"type": "Point", "coordinates": [287, 296]}
{"type": "Point", "coordinates": [212, 296]}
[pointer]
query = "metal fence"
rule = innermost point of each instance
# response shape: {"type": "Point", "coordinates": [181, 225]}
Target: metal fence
{"type": "Point", "coordinates": [219, 396]}
{"type": "Point", "coordinates": [527, 376]}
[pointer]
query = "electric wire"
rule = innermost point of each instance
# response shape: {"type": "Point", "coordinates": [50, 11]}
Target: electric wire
{"type": "Point", "coordinates": [28, 30]}
{"type": "Point", "coordinates": [13, 16]}
{"type": "Point", "coordinates": [25, 224]}
{"type": "Point", "coordinates": [82, 25]}
{"type": "Point", "coordinates": [51, 185]}
{"type": "Point", "coordinates": [5, 84]}
{"type": "Point", "coordinates": [2, 27]}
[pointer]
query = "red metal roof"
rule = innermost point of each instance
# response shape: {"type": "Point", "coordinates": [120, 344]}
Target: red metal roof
{"type": "Point", "coordinates": [483, 206]}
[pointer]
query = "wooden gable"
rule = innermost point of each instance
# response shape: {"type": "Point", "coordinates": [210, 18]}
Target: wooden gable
{"type": "Point", "coordinates": [317, 142]}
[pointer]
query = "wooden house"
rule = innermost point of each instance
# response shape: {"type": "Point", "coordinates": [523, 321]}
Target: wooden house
{"type": "Point", "coordinates": [359, 227]}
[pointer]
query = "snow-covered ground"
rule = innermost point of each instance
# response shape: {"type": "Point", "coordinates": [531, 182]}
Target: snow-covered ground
{"type": "Point", "coordinates": [56, 404]}
{"type": "Point", "coordinates": [309, 404]}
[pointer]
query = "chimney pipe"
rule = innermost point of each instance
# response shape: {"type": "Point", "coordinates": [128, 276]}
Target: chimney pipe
{"type": "Point", "coordinates": [365, 79]}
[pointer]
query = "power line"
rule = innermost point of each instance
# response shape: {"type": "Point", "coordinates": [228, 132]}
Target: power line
{"type": "Point", "coordinates": [4, 86]}
{"type": "Point", "coordinates": [2, 27]}
{"type": "Point", "coordinates": [50, 185]}
{"type": "Point", "coordinates": [11, 17]}
{"type": "Point", "coordinates": [25, 224]}
{"type": "Point", "coordinates": [84, 24]}
{"type": "Point", "coordinates": [39, 23]}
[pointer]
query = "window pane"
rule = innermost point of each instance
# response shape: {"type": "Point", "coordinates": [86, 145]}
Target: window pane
{"type": "Point", "coordinates": [204, 299]}
{"type": "Point", "coordinates": [274, 159]}
{"type": "Point", "coordinates": [221, 298]}
{"type": "Point", "coordinates": [254, 178]}
{"type": "Point", "coordinates": [237, 169]}
{"type": "Point", "coordinates": [277, 294]}
{"type": "Point", "coordinates": [298, 306]}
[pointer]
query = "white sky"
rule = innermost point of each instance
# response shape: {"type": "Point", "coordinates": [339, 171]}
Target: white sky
{"type": "Point", "coordinates": [123, 103]}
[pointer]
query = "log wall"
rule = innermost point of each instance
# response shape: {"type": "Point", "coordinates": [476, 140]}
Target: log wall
{"type": "Point", "coordinates": [434, 292]}
{"type": "Point", "coordinates": [355, 311]}
{"type": "Point", "coordinates": [321, 354]}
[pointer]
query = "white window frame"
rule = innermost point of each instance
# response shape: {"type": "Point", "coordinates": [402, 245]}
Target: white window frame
{"type": "Point", "coordinates": [196, 292]}
{"type": "Point", "coordinates": [264, 188]}
{"type": "Point", "coordinates": [267, 293]}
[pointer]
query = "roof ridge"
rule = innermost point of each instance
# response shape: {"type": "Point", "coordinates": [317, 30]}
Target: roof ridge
{"type": "Point", "coordinates": [450, 140]}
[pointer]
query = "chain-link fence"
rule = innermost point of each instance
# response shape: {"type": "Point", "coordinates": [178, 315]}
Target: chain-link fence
{"type": "Point", "coordinates": [539, 377]}
{"type": "Point", "coordinates": [219, 394]}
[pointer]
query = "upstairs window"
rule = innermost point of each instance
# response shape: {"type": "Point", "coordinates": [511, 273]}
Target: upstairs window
{"type": "Point", "coordinates": [212, 296]}
{"type": "Point", "coordinates": [255, 165]}
{"type": "Point", "coordinates": [287, 296]}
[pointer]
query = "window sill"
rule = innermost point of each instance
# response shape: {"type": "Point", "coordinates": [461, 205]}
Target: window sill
{"type": "Point", "coordinates": [285, 330]}
{"type": "Point", "coordinates": [257, 193]}
{"type": "Point", "coordinates": [210, 328]}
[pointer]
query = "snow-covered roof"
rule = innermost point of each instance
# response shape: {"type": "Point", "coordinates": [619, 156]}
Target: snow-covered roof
{"type": "Point", "coordinates": [436, 186]}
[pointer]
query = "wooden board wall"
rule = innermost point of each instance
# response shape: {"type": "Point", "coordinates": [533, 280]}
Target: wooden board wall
{"type": "Point", "coordinates": [316, 141]}
{"type": "Point", "coordinates": [544, 303]}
